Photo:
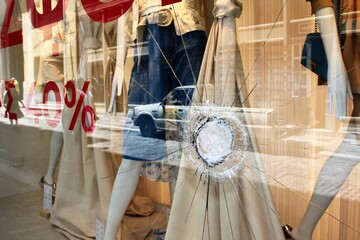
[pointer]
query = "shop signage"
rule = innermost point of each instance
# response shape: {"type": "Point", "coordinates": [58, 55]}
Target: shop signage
{"type": "Point", "coordinates": [97, 10]}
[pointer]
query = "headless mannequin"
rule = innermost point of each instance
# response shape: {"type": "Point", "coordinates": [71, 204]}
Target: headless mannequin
{"type": "Point", "coordinates": [336, 169]}
{"type": "Point", "coordinates": [83, 186]}
{"type": "Point", "coordinates": [52, 69]}
{"type": "Point", "coordinates": [129, 171]}
{"type": "Point", "coordinates": [56, 144]}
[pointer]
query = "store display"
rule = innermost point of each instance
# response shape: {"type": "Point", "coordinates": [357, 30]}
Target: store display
{"type": "Point", "coordinates": [214, 133]}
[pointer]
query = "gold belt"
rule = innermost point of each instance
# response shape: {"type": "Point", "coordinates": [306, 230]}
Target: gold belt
{"type": "Point", "coordinates": [162, 18]}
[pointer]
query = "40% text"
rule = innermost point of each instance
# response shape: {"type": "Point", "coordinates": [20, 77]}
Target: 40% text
{"type": "Point", "coordinates": [88, 117]}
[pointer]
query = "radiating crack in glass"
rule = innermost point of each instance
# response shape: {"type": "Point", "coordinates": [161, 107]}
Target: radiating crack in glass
{"type": "Point", "coordinates": [228, 212]}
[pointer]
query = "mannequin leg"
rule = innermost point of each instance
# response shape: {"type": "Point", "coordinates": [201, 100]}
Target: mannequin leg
{"type": "Point", "coordinates": [124, 188]}
{"type": "Point", "coordinates": [106, 176]}
{"type": "Point", "coordinates": [56, 145]}
{"type": "Point", "coordinates": [332, 176]}
{"type": "Point", "coordinates": [112, 104]}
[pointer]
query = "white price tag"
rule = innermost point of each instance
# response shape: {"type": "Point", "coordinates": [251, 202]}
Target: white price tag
{"type": "Point", "coordinates": [48, 192]}
{"type": "Point", "coordinates": [100, 229]}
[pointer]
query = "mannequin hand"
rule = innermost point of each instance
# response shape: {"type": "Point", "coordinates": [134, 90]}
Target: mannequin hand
{"type": "Point", "coordinates": [339, 85]}
{"type": "Point", "coordinates": [60, 37]}
{"type": "Point", "coordinates": [338, 81]}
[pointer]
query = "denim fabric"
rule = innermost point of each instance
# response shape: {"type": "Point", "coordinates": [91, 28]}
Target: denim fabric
{"type": "Point", "coordinates": [152, 79]}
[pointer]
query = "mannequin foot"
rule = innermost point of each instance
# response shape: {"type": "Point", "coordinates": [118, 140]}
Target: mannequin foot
{"type": "Point", "coordinates": [291, 233]}
{"type": "Point", "coordinates": [43, 182]}
{"type": "Point", "coordinates": [287, 231]}
{"type": "Point", "coordinates": [300, 235]}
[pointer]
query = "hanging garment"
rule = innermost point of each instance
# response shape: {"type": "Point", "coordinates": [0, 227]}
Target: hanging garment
{"type": "Point", "coordinates": [238, 206]}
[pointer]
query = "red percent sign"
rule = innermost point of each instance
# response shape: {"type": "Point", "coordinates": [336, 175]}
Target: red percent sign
{"type": "Point", "coordinates": [71, 93]}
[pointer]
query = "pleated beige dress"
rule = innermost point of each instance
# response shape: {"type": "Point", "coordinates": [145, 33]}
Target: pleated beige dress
{"type": "Point", "coordinates": [85, 176]}
{"type": "Point", "coordinates": [236, 208]}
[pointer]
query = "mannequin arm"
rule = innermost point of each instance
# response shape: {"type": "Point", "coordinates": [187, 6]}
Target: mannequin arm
{"type": "Point", "coordinates": [337, 76]}
{"type": "Point", "coordinates": [123, 39]}
{"type": "Point", "coordinates": [121, 52]}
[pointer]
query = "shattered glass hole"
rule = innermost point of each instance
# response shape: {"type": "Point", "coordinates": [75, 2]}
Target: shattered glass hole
{"type": "Point", "coordinates": [213, 141]}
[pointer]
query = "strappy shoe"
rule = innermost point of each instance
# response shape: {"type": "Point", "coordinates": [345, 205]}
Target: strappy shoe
{"type": "Point", "coordinates": [287, 231]}
{"type": "Point", "coordinates": [42, 182]}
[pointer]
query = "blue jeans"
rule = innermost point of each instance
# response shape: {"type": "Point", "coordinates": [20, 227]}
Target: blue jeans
{"type": "Point", "coordinates": [152, 79]}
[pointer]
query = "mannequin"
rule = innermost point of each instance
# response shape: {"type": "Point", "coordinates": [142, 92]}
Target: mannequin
{"type": "Point", "coordinates": [54, 68]}
{"type": "Point", "coordinates": [337, 168]}
{"type": "Point", "coordinates": [56, 144]}
{"type": "Point", "coordinates": [182, 40]}
{"type": "Point", "coordinates": [83, 183]}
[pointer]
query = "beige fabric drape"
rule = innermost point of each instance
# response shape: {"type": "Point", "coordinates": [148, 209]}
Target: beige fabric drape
{"type": "Point", "coordinates": [240, 208]}
{"type": "Point", "coordinates": [78, 201]}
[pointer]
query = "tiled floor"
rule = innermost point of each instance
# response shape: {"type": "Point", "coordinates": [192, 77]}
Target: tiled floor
{"type": "Point", "coordinates": [20, 203]}
{"type": "Point", "coordinates": [23, 160]}
{"type": "Point", "coordinates": [20, 218]}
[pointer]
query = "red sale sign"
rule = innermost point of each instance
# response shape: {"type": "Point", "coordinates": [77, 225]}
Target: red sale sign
{"type": "Point", "coordinates": [9, 39]}
{"type": "Point", "coordinates": [106, 11]}
{"type": "Point", "coordinates": [49, 16]}
{"type": "Point", "coordinates": [97, 10]}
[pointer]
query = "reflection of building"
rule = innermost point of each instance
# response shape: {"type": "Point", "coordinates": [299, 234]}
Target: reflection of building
{"type": "Point", "coordinates": [271, 49]}
{"type": "Point", "coordinates": [11, 58]}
